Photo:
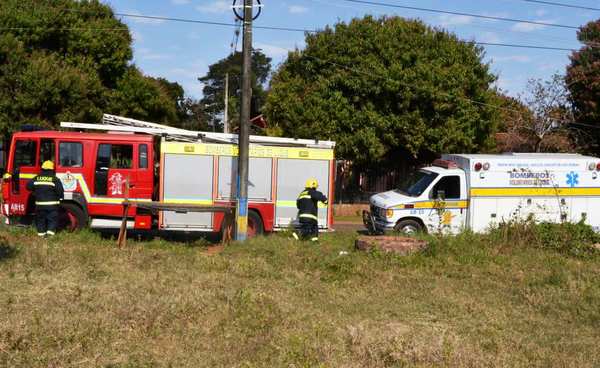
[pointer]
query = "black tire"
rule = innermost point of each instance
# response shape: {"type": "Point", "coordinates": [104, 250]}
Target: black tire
{"type": "Point", "coordinates": [255, 224]}
{"type": "Point", "coordinates": [72, 217]}
{"type": "Point", "coordinates": [408, 227]}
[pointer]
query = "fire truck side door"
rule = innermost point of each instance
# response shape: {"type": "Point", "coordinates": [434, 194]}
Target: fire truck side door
{"type": "Point", "coordinates": [101, 170]}
{"type": "Point", "coordinates": [24, 169]}
{"type": "Point", "coordinates": [115, 169]}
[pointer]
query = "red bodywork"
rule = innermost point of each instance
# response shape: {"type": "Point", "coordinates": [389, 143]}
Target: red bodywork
{"type": "Point", "coordinates": [93, 182]}
{"type": "Point", "coordinates": [112, 166]}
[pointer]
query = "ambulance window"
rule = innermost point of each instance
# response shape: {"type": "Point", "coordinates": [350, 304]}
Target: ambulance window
{"type": "Point", "coordinates": [25, 152]}
{"type": "Point", "coordinates": [47, 151]}
{"type": "Point", "coordinates": [121, 156]}
{"type": "Point", "coordinates": [417, 183]}
{"type": "Point", "coordinates": [450, 185]}
{"type": "Point", "coordinates": [143, 159]}
{"type": "Point", "coordinates": [70, 154]}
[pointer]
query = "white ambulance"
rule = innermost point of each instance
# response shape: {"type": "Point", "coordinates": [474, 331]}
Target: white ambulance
{"type": "Point", "coordinates": [478, 191]}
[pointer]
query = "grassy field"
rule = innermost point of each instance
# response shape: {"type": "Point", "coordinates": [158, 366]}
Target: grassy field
{"type": "Point", "coordinates": [468, 301]}
{"type": "Point", "coordinates": [353, 219]}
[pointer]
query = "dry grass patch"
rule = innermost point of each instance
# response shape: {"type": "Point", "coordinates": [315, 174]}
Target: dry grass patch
{"type": "Point", "coordinates": [76, 300]}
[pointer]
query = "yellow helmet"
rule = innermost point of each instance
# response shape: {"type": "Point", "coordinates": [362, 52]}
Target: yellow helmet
{"type": "Point", "coordinates": [48, 165]}
{"type": "Point", "coordinates": [312, 183]}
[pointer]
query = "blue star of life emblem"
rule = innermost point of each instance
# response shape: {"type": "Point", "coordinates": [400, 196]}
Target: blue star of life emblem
{"type": "Point", "coordinates": [572, 179]}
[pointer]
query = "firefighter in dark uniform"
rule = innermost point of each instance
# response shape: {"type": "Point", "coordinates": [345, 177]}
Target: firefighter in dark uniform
{"type": "Point", "coordinates": [307, 204]}
{"type": "Point", "coordinates": [48, 192]}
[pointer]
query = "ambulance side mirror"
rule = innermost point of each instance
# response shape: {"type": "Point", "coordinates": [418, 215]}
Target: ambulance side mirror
{"type": "Point", "coordinates": [441, 194]}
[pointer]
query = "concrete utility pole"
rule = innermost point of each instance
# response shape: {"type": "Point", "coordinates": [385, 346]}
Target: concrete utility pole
{"type": "Point", "coordinates": [243, 142]}
{"type": "Point", "coordinates": [226, 115]}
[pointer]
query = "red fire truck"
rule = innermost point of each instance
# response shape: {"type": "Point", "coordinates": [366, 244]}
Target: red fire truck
{"type": "Point", "coordinates": [146, 162]}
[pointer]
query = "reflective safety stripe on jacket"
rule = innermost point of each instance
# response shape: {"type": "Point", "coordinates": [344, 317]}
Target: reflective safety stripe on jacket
{"type": "Point", "coordinates": [307, 204]}
{"type": "Point", "coordinates": [47, 203]}
{"type": "Point", "coordinates": [44, 180]}
{"type": "Point", "coordinates": [46, 188]}
{"type": "Point", "coordinates": [36, 183]}
{"type": "Point", "coordinates": [308, 215]}
{"type": "Point", "coordinates": [304, 195]}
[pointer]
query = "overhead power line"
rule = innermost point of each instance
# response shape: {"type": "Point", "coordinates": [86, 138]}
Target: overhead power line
{"type": "Point", "coordinates": [186, 20]}
{"type": "Point", "coordinates": [561, 4]}
{"type": "Point", "coordinates": [523, 46]}
{"type": "Point", "coordinates": [535, 36]}
{"type": "Point", "coordinates": [122, 29]}
{"type": "Point", "coordinates": [535, 47]}
{"type": "Point", "coordinates": [439, 11]}
{"type": "Point", "coordinates": [275, 28]}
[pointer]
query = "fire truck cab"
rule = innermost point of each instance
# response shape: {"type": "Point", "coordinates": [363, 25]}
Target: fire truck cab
{"type": "Point", "coordinates": [97, 172]}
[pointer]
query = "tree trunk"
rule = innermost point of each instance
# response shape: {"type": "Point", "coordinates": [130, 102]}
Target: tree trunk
{"type": "Point", "coordinates": [538, 144]}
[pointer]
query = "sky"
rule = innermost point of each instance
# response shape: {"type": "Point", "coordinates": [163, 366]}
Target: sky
{"type": "Point", "coordinates": [182, 52]}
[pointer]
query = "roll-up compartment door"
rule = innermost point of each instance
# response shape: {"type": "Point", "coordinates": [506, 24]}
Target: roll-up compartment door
{"type": "Point", "coordinates": [259, 178]}
{"type": "Point", "coordinates": [291, 177]}
{"type": "Point", "coordinates": [188, 179]}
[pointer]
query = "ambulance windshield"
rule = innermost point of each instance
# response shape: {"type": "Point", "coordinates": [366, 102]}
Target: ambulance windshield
{"type": "Point", "coordinates": [416, 184]}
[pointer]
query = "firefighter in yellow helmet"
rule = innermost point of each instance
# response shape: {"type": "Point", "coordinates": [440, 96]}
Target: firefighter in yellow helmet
{"type": "Point", "coordinates": [48, 192]}
{"type": "Point", "coordinates": [307, 204]}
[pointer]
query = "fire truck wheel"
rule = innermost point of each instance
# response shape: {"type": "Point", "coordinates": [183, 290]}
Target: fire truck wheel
{"type": "Point", "coordinates": [408, 227]}
{"type": "Point", "coordinates": [72, 217]}
{"type": "Point", "coordinates": [255, 224]}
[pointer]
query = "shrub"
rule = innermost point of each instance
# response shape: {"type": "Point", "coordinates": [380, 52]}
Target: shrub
{"type": "Point", "coordinates": [569, 238]}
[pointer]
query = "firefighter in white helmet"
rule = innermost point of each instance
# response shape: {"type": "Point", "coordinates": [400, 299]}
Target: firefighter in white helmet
{"type": "Point", "coordinates": [307, 204]}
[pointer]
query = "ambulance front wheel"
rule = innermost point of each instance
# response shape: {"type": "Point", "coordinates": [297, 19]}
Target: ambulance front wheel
{"type": "Point", "coordinates": [408, 227]}
{"type": "Point", "coordinates": [71, 217]}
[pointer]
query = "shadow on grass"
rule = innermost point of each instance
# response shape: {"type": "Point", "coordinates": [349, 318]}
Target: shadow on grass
{"type": "Point", "coordinates": [7, 251]}
{"type": "Point", "coordinates": [190, 238]}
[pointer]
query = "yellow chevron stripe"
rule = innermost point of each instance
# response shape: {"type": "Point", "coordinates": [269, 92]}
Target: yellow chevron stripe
{"type": "Point", "coordinates": [21, 176]}
{"type": "Point", "coordinates": [434, 204]}
{"type": "Point", "coordinates": [99, 200]}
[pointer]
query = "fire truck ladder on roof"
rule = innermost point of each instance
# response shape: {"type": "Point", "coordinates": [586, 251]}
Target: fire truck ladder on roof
{"type": "Point", "coordinates": [123, 124]}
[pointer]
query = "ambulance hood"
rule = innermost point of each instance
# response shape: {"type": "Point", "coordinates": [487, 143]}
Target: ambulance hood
{"type": "Point", "coordinates": [390, 198]}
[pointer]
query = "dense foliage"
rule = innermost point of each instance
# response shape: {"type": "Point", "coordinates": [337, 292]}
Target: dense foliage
{"type": "Point", "coordinates": [214, 86]}
{"type": "Point", "coordinates": [385, 88]}
{"type": "Point", "coordinates": [575, 239]}
{"type": "Point", "coordinates": [583, 81]}
{"type": "Point", "coordinates": [71, 60]}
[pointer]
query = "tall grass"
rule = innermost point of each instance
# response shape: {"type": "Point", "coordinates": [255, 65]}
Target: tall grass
{"type": "Point", "coordinates": [514, 298]}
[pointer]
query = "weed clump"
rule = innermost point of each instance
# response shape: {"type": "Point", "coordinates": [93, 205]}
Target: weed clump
{"type": "Point", "coordinates": [7, 251]}
{"type": "Point", "coordinates": [575, 239]}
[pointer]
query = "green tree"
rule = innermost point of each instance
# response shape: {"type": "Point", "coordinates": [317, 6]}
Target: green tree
{"type": "Point", "coordinates": [143, 98]}
{"type": "Point", "coordinates": [42, 89]}
{"type": "Point", "coordinates": [583, 82]}
{"type": "Point", "coordinates": [214, 86]}
{"type": "Point", "coordinates": [71, 60]}
{"type": "Point", "coordinates": [387, 90]}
